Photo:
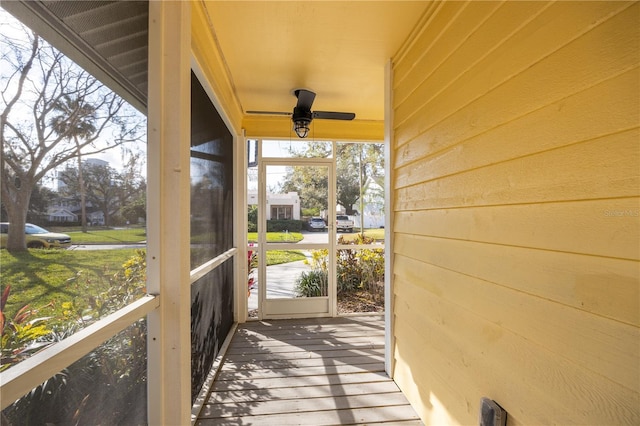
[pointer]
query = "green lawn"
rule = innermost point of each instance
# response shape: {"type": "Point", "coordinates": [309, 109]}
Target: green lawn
{"type": "Point", "coordinates": [375, 233]}
{"type": "Point", "coordinates": [107, 236]}
{"type": "Point", "coordinates": [276, 257]}
{"type": "Point", "coordinates": [52, 277]}
{"type": "Point", "coordinates": [41, 277]}
{"type": "Point", "coordinates": [276, 237]}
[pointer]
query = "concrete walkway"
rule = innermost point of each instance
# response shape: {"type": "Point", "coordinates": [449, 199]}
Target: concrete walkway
{"type": "Point", "coordinates": [281, 279]}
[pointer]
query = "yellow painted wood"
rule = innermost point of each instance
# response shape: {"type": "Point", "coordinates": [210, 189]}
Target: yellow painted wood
{"type": "Point", "coordinates": [602, 286]}
{"type": "Point", "coordinates": [573, 119]}
{"type": "Point", "coordinates": [440, 56]}
{"type": "Point", "coordinates": [438, 20]}
{"type": "Point", "coordinates": [517, 87]}
{"type": "Point", "coordinates": [282, 127]}
{"type": "Point", "coordinates": [530, 382]}
{"type": "Point", "coordinates": [597, 171]}
{"type": "Point", "coordinates": [511, 33]}
{"type": "Point", "coordinates": [607, 347]}
{"type": "Point", "coordinates": [206, 51]}
{"type": "Point", "coordinates": [516, 137]}
{"type": "Point", "coordinates": [597, 227]}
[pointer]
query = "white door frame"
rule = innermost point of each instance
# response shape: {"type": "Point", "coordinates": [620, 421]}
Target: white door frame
{"type": "Point", "coordinates": [298, 307]}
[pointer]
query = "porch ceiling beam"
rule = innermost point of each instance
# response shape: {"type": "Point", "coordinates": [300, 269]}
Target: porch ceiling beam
{"type": "Point", "coordinates": [281, 127]}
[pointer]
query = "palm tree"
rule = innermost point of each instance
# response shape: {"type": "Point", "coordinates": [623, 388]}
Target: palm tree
{"type": "Point", "coordinates": [75, 121]}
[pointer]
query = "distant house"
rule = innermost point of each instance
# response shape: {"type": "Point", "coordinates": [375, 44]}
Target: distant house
{"type": "Point", "coordinates": [279, 206]}
{"type": "Point", "coordinates": [59, 214]}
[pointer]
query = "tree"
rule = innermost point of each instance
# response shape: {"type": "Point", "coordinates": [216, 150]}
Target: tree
{"type": "Point", "coordinates": [311, 184]}
{"type": "Point", "coordinates": [121, 194]}
{"type": "Point", "coordinates": [41, 199]}
{"type": "Point", "coordinates": [355, 162]}
{"type": "Point", "coordinates": [75, 120]}
{"type": "Point", "coordinates": [40, 89]}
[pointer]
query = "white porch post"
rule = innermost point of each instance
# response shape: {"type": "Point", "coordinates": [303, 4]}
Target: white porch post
{"type": "Point", "coordinates": [389, 341]}
{"type": "Point", "coordinates": [168, 205]}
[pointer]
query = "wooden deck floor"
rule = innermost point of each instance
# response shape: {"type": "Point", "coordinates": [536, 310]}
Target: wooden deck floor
{"type": "Point", "coordinates": [327, 371]}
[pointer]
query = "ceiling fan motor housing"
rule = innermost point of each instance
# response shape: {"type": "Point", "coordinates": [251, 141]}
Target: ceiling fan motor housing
{"type": "Point", "coordinates": [302, 114]}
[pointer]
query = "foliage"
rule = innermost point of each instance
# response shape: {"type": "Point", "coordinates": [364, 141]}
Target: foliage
{"type": "Point", "coordinates": [252, 219]}
{"type": "Point", "coordinates": [319, 260]}
{"type": "Point", "coordinates": [355, 162]}
{"type": "Point", "coordinates": [38, 277]}
{"type": "Point", "coordinates": [360, 268]}
{"type": "Point", "coordinates": [311, 184]}
{"type": "Point", "coordinates": [118, 365]}
{"type": "Point", "coordinates": [52, 111]}
{"type": "Point", "coordinates": [107, 190]}
{"type": "Point", "coordinates": [21, 335]}
{"type": "Point", "coordinates": [357, 269]}
{"type": "Point", "coordinates": [312, 283]}
{"type": "Point", "coordinates": [284, 225]}
{"type": "Point", "coordinates": [310, 212]}
{"type": "Point", "coordinates": [252, 265]}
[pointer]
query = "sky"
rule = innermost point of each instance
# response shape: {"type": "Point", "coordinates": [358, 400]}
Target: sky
{"type": "Point", "coordinates": [11, 30]}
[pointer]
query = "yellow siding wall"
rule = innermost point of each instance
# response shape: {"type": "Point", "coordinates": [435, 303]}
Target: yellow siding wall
{"type": "Point", "coordinates": [516, 234]}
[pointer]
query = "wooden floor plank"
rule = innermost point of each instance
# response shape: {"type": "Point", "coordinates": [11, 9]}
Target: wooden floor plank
{"type": "Point", "coordinates": [241, 357]}
{"type": "Point", "coordinates": [320, 371]}
{"type": "Point", "coordinates": [300, 371]}
{"type": "Point", "coordinates": [235, 365]}
{"type": "Point", "coordinates": [355, 416]}
{"type": "Point", "coordinates": [253, 408]}
{"type": "Point", "coordinates": [278, 382]}
{"type": "Point", "coordinates": [342, 389]}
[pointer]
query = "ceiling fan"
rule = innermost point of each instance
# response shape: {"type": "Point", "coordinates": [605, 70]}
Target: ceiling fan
{"type": "Point", "coordinates": [302, 114]}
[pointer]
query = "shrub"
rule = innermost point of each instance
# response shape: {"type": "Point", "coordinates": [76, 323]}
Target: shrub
{"type": "Point", "coordinates": [252, 219]}
{"type": "Point", "coordinates": [312, 283]}
{"type": "Point", "coordinates": [360, 269]}
{"type": "Point", "coordinates": [115, 372]}
{"type": "Point", "coordinates": [284, 225]}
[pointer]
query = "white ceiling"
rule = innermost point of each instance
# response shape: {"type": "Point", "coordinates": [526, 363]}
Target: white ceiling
{"type": "Point", "coordinates": [338, 49]}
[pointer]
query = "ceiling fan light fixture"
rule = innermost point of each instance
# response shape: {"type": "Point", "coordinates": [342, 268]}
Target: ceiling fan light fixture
{"type": "Point", "coordinates": [301, 127]}
{"type": "Point", "coordinates": [301, 120]}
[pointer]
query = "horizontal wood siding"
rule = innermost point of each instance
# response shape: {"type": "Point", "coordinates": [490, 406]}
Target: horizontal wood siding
{"type": "Point", "coordinates": [516, 141]}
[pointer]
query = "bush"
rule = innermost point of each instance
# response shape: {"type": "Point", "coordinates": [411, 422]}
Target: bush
{"type": "Point", "coordinates": [312, 283]}
{"type": "Point", "coordinates": [252, 219]}
{"type": "Point", "coordinates": [360, 269]}
{"type": "Point", "coordinates": [118, 366]}
{"type": "Point", "coordinates": [284, 225]}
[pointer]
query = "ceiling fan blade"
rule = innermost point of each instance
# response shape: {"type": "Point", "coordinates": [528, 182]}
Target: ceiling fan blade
{"type": "Point", "coordinates": [329, 115]}
{"type": "Point", "coordinates": [268, 113]}
{"type": "Point", "coordinates": [305, 98]}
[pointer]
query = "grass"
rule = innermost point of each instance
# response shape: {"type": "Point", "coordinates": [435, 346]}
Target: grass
{"type": "Point", "coordinates": [375, 233]}
{"type": "Point", "coordinates": [277, 257]}
{"type": "Point", "coordinates": [40, 277]}
{"type": "Point", "coordinates": [107, 236]}
{"type": "Point", "coordinates": [277, 237]}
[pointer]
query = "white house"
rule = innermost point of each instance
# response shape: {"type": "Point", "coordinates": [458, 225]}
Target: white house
{"type": "Point", "coordinates": [279, 206]}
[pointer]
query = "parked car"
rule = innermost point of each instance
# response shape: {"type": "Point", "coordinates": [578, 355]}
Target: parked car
{"type": "Point", "coordinates": [316, 223]}
{"type": "Point", "coordinates": [37, 237]}
{"type": "Point", "coordinates": [343, 223]}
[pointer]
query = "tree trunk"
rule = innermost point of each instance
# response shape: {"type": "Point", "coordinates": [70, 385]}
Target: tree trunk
{"type": "Point", "coordinates": [17, 214]}
{"type": "Point", "coordinates": [83, 195]}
